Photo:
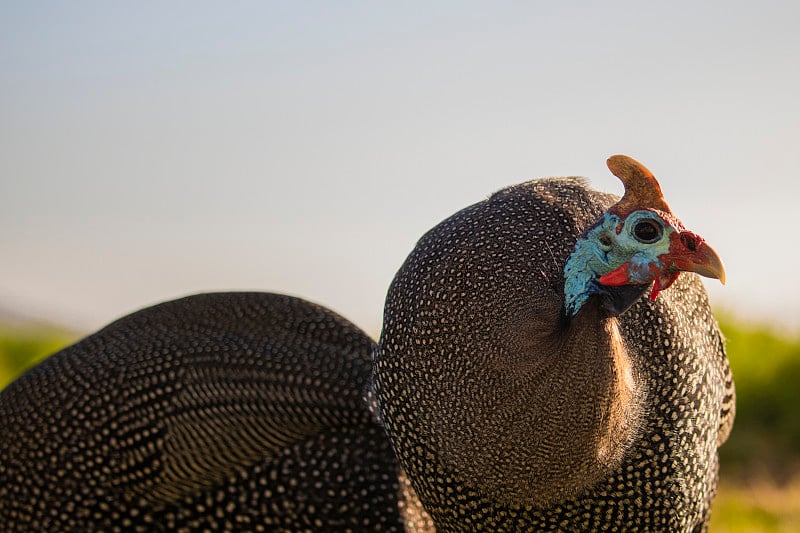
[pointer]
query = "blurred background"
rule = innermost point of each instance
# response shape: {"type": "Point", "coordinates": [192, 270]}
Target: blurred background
{"type": "Point", "coordinates": [154, 150]}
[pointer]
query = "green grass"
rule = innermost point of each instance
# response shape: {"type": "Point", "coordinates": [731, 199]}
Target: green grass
{"type": "Point", "coordinates": [756, 506]}
{"type": "Point", "coordinates": [760, 463]}
{"type": "Point", "coordinates": [766, 435]}
{"type": "Point", "coordinates": [21, 348]}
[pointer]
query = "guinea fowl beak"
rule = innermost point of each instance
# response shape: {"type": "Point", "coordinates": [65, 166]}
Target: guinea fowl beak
{"type": "Point", "coordinates": [690, 253]}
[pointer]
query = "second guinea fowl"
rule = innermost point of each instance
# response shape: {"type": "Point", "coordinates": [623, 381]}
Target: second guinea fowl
{"type": "Point", "coordinates": [522, 379]}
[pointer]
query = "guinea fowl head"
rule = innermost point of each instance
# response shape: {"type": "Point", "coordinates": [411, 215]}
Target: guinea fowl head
{"type": "Point", "coordinates": [638, 241]}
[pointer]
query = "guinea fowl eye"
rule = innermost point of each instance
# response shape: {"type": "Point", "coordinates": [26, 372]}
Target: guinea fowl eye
{"type": "Point", "coordinates": [647, 231]}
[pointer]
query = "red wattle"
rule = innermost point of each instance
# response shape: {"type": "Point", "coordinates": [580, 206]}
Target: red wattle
{"type": "Point", "coordinates": [618, 276]}
{"type": "Point", "coordinates": [655, 290]}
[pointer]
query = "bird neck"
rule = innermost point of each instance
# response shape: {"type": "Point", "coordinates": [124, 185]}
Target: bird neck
{"type": "Point", "coordinates": [566, 412]}
{"type": "Point", "coordinates": [604, 386]}
{"type": "Point", "coordinates": [589, 258]}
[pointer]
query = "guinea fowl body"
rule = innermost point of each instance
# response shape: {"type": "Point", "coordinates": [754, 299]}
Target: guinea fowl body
{"type": "Point", "coordinates": [217, 412]}
{"type": "Point", "coordinates": [504, 410]}
{"type": "Point", "coordinates": [506, 415]}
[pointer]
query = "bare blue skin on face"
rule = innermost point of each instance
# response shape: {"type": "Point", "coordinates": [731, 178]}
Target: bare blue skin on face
{"type": "Point", "coordinates": [602, 250]}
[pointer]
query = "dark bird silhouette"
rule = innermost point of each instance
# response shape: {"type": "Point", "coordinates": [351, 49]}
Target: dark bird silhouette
{"type": "Point", "coordinates": [521, 383]}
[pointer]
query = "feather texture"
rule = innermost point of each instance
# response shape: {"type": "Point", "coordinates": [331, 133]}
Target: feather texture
{"type": "Point", "coordinates": [228, 411]}
{"type": "Point", "coordinates": [486, 406]}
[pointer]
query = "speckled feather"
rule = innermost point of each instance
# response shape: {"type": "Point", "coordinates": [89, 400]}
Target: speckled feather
{"type": "Point", "coordinates": [475, 310]}
{"type": "Point", "coordinates": [246, 412]}
{"type": "Point", "coordinates": [230, 412]}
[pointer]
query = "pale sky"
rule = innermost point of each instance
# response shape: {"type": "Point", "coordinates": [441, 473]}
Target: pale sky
{"type": "Point", "coordinates": [150, 150]}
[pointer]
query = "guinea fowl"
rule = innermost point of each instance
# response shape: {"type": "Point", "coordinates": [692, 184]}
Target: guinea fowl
{"type": "Point", "coordinates": [522, 379]}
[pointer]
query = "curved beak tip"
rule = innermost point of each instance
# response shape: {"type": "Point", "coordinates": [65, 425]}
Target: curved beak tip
{"type": "Point", "coordinates": [698, 257]}
{"type": "Point", "coordinates": [714, 265]}
{"type": "Point", "coordinates": [707, 262]}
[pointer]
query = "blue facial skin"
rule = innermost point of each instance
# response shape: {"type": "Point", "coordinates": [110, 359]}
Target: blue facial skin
{"type": "Point", "coordinates": [601, 250]}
